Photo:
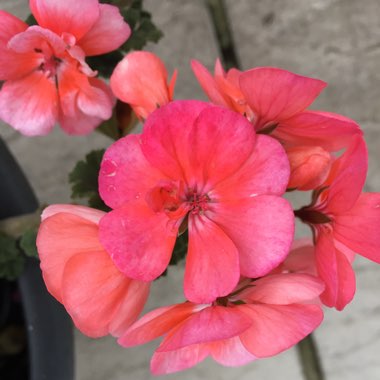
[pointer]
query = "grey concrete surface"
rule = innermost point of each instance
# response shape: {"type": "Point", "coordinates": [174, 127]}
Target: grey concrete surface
{"type": "Point", "coordinates": [334, 40]}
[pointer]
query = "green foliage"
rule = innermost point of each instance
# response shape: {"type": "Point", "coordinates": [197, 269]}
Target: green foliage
{"type": "Point", "coordinates": [28, 242]}
{"type": "Point", "coordinates": [84, 179]}
{"type": "Point", "coordinates": [31, 20]}
{"type": "Point", "coordinates": [11, 259]}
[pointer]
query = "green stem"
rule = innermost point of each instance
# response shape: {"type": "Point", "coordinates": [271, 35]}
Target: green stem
{"type": "Point", "coordinates": [221, 24]}
{"type": "Point", "coordinates": [309, 359]}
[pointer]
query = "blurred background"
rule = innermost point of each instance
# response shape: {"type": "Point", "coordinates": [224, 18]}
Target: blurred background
{"type": "Point", "coordinates": [337, 41]}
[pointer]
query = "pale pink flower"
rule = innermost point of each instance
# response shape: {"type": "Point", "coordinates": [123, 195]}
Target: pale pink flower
{"type": "Point", "coordinates": [46, 77]}
{"type": "Point", "coordinates": [200, 167]}
{"type": "Point", "coordinates": [259, 319]}
{"type": "Point", "coordinates": [345, 222]}
{"type": "Point", "coordinates": [79, 273]}
{"type": "Point", "coordinates": [141, 80]}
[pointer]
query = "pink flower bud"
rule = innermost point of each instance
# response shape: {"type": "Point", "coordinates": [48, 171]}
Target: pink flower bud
{"type": "Point", "coordinates": [309, 167]}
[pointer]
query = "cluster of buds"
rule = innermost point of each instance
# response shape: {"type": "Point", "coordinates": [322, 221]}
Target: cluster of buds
{"type": "Point", "coordinates": [215, 171]}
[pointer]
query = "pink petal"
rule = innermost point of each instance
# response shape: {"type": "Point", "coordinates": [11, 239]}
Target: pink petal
{"type": "Point", "coordinates": [163, 363]}
{"type": "Point", "coordinates": [21, 64]}
{"type": "Point", "coordinates": [84, 102]}
{"type": "Point", "coordinates": [29, 104]}
{"type": "Point", "coordinates": [276, 328]}
{"type": "Point", "coordinates": [9, 26]}
{"type": "Point", "coordinates": [123, 166]}
{"type": "Point", "coordinates": [208, 325]}
{"type": "Point", "coordinates": [262, 229]}
{"type": "Point", "coordinates": [165, 141]}
{"type": "Point", "coordinates": [349, 173]}
{"type": "Point", "coordinates": [358, 228]}
{"type": "Point", "coordinates": [209, 85]}
{"type": "Point", "coordinates": [265, 172]}
{"type": "Point", "coordinates": [301, 258]}
{"type": "Point", "coordinates": [69, 16]}
{"type": "Point", "coordinates": [108, 33]}
{"type": "Point", "coordinates": [275, 94]}
{"type": "Point", "coordinates": [230, 352]}
{"type": "Point", "coordinates": [232, 139]}
{"type": "Point", "coordinates": [315, 128]}
{"type": "Point", "coordinates": [130, 308]}
{"type": "Point", "coordinates": [140, 79]}
{"type": "Point", "coordinates": [336, 271]}
{"type": "Point", "coordinates": [284, 289]}
{"type": "Point", "coordinates": [92, 290]}
{"type": "Point", "coordinates": [84, 212]}
{"type": "Point", "coordinates": [156, 323]}
{"type": "Point", "coordinates": [36, 37]}
{"type": "Point", "coordinates": [212, 263]}
{"type": "Point", "coordinates": [60, 237]}
{"type": "Point", "coordinates": [139, 241]}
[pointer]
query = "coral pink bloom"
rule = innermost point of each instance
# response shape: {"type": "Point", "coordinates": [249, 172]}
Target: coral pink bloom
{"type": "Point", "coordinates": [140, 80]}
{"type": "Point", "coordinates": [345, 222]}
{"type": "Point", "coordinates": [80, 274]}
{"type": "Point", "coordinates": [259, 319]}
{"type": "Point", "coordinates": [48, 80]}
{"type": "Point", "coordinates": [198, 166]}
{"type": "Point", "coordinates": [223, 88]}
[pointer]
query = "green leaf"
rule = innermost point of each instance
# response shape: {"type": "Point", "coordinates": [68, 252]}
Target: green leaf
{"type": "Point", "coordinates": [31, 20]}
{"type": "Point", "coordinates": [11, 259]}
{"type": "Point", "coordinates": [84, 180]}
{"type": "Point", "coordinates": [28, 243]}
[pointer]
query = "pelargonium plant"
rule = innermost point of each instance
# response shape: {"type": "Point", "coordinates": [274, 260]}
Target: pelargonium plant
{"type": "Point", "coordinates": [202, 181]}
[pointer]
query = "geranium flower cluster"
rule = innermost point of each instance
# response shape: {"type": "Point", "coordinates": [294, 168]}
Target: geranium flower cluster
{"type": "Point", "coordinates": [216, 171]}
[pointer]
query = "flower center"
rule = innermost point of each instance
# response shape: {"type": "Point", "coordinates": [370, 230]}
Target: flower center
{"type": "Point", "coordinates": [198, 203]}
{"type": "Point", "coordinates": [49, 63]}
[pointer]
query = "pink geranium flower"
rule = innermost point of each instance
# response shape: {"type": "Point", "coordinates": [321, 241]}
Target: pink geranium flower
{"type": "Point", "coordinates": [46, 77]}
{"type": "Point", "coordinates": [345, 222]}
{"type": "Point", "coordinates": [259, 319]}
{"type": "Point", "coordinates": [276, 102]}
{"type": "Point", "coordinates": [141, 80]}
{"type": "Point", "coordinates": [80, 274]}
{"type": "Point", "coordinates": [199, 167]}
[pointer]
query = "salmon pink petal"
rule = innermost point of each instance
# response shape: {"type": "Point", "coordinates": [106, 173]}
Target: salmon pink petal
{"type": "Point", "coordinates": [284, 289]}
{"type": "Point", "coordinates": [230, 352]}
{"type": "Point", "coordinates": [358, 228]}
{"type": "Point", "coordinates": [208, 325]}
{"type": "Point", "coordinates": [349, 177]}
{"type": "Point", "coordinates": [92, 289]}
{"type": "Point", "coordinates": [209, 85]}
{"type": "Point", "coordinates": [139, 240]}
{"type": "Point", "coordinates": [29, 104]}
{"type": "Point", "coordinates": [315, 128]}
{"type": "Point", "coordinates": [78, 124]}
{"type": "Point", "coordinates": [173, 361]}
{"type": "Point", "coordinates": [301, 258]}
{"type": "Point", "coordinates": [36, 37]}
{"type": "Point", "coordinates": [212, 264]}
{"type": "Point", "coordinates": [335, 270]}
{"type": "Point", "coordinates": [140, 79]}
{"type": "Point", "coordinates": [84, 212]}
{"type": "Point", "coordinates": [130, 308]}
{"type": "Point", "coordinates": [9, 27]}
{"type": "Point", "coordinates": [232, 139]}
{"type": "Point", "coordinates": [262, 228]}
{"type": "Point", "coordinates": [265, 172]}
{"type": "Point", "coordinates": [164, 140]}
{"type": "Point", "coordinates": [276, 95]}
{"type": "Point", "coordinates": [276, 328]}
{"type": "Point", "coordinates": [69, 16]}
{"type": "Point", "coordinates": [123, 166]}
{"type": "Point", "coordinates": [107, 34]}
{"type": "Point", "coordinates": [60, 237]}
{"type": "Point", "coordinates": [156, 323]}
